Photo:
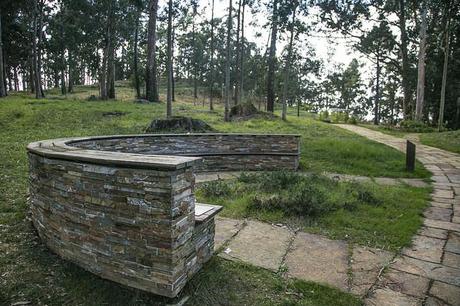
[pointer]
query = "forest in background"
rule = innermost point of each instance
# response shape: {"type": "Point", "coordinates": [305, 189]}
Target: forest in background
{"type": "Point", "coordinates": [413, 47]}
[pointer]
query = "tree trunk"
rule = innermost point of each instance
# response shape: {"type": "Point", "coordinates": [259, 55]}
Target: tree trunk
{"type": "Point", "coordinates": [421, 66]}
{"type": "Point", "coordinates": [111, 52]}
{"type": "Point", "coordinates": [405, 60]}
{"type": "Point", "coordinates": [227, 63]}
{"type": "Point", "coordinates": [194, 63]}
{"type": "Point", "coordinates": [136, 57]}
{"type": "Point", "coordinates": [377, 92]}
{"type": "Point", "coordinates": [211, 60]}
{"type": "Point", "coordinates": [241, 71]}
{"type": "Point", "coordinates": [36, 53]}
{"type": "Point", "coordinates": [288, 66]}
{"type": "Point", "coordinates": [151, 86]}
{"type": "Point", "coordinates": [169, 63]}
{"type": "Point", "coordinates": [16, 78]}
{"type": "Point", "coordinates": [71, 72]}
{"type": "Point", "coordinates": [2, 80]}
{"type": "Point", "coordinates": [444, 71]}
{"type": "Point", "coordinates": [173, 81]}
{"type": "Point", "coordinates": [39, 49]}
{"type": "Point", "coordinates": [271, 61]}
{"type": "Point", "coordinates": [31, 73]}
{"type": "Point", "coordinates": [237, 80]}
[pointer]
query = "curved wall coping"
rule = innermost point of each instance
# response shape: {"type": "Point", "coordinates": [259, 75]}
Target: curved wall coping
{"type": "Point", "coordinates": [62, 148]}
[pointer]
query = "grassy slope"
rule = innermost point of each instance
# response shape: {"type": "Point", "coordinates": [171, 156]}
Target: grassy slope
{"type": "Point", "coordinates": [449, 141]}
{"type": "Point", "coordinates": [388, 225]}
{"type": "Point", "coordinates": [30, 272]}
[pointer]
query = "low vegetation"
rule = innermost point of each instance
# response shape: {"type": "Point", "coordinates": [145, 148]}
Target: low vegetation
{"type": "Point", "coordinates": [449, 141]}
{"type": "Point", "coordinates": [367, 214]}
{"type": "Point", "coordinates": [31, 273]}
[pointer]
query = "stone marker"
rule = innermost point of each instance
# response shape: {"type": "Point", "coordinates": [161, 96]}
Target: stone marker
{"type": "Point", "coordinates": [410, 156]}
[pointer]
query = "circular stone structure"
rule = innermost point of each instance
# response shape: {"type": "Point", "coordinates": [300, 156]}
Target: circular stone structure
{"type": "Point", "coordinates": [123, 207]}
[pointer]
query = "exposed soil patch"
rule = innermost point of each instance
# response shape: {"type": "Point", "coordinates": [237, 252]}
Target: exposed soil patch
{"type": "Point", "coordinates": [179, 125]}
{"type": "Point", "coordinates": [114, 114]}
{"type": "Point", "coordinates": [246, 111]}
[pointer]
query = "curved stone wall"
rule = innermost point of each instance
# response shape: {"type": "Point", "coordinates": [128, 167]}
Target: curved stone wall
{"type": "Point", "coordinates": [233, 152]}
{"type": "Point", "coordinates": [113, 208]}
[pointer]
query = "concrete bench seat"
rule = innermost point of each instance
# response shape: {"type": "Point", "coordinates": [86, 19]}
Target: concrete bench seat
{"type": "Point", "coordinates": [123, 207]}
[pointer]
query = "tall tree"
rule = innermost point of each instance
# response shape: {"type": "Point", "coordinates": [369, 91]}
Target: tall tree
{"type": "Point", "coordinates": [37, 46]}
{"type": "Point", "coordinates": [169, 68]}
{"type": "Point", "coordinates": [137, 84]}
{"type": "Point", "coordinates": [151, 86]}
{"type": "Point", "coordinates": [404, 59]}
{"type": "Point", "coordinates": [237, 47]}
{"type": "Point", "coordinates": [287, 66]}
{"type": "Point", "coordinates": [272, 59]}
{"type": "Point", "coordinates": [421, 65]}
{"type": "Point", "coordinates": [227, 63]}
{"type": "Point", "coordinates": [211, 60]}
{"type": "Point", "coordinates": [445, 65]}
{"type": "Point", "coordinates": [3, 92]}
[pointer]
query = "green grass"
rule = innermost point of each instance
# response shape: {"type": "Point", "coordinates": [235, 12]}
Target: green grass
{"type": "Point", "coordinates": [449, 141]}
{"type": "Point", "coordinates": [364, 213]}
{"type": "Point", "coordinates": [30, 272]}
{"type": "Point", "coordinates": [385, 129]}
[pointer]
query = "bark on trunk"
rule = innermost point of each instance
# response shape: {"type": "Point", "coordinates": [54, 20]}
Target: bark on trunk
{"type": "Point", "coordinates": [136, 57]}
{"type": "Point", "coordinates": [111, 52]}
{"type": "Point", "coordinates": [2, 80]}
{"type": "Point", "coordinates": [241, 68]}
{"type": "Point", "coordinates": [169, 63]}
{"type": "Point", "coordinates": [194, 63]}
{"type": "Point", "coordinates": [237, 79]}
{"type": "Point", "coordinates": [227, 63]}
{"type": "Point", "coordinates": [421, 66]}
{"type": "Point", "coordinates": [211, 60]}
{"type": "Point", "coordinates": [444, 70]}
{"type": "Point", "coordinates": [405, 60]}
{"type": "Point", "coordinates": [71, 72]}
{"type": "Point", "coordinates": [377, 92]}
{"type": "Point", "coordinates": [271, 61]}
{"type": "Point", "coordinates": [288, 66]}
{"type": "Point", "coordinates": [151, 87]}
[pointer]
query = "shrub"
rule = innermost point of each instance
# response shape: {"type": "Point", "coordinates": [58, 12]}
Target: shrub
{"type": "Point", "coordinates": [305, 195]}
{"type": "Point", "coordinates": [216, 189]}
{"type": "Point", "coordinates": [324, 116]}
{"type": "Point", "coordinates": [414, 126]}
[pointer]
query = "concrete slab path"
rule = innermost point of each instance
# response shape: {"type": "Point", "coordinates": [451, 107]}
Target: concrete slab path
{"type": "Point", "coordinates": [427, 272]}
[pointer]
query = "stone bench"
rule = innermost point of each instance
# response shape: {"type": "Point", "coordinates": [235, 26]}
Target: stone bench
{"type": "Point", "coordinates": [117, 209]}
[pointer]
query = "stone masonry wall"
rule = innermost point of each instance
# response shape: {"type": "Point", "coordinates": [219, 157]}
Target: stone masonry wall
{"type": "Point", "coordinates": [219, 151]}
{"type": "Point", "coordinates": [132, 226]}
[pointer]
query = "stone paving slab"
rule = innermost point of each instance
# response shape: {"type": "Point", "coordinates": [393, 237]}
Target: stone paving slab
{"type": "Point", "coordinates": [318, 259]}
{"type": "Point", "coordinates": [388, 297]}
{"type": "Point", "coordinates": [453, 243]}
{"type": "Point", "coordinates": [225, 229]}
{"type": "Point", "coordinates": [446, 292]}
{"type": "Point", "coordinates": [451, 260]}
{"type": "Point", "coordinates": [433, 232]}
{"type": "Point", "coordinates": [366, 264]}
{"type": "Point", "coordinates": [410, 284]}
{"type": "Point", "coordinates": [426, 248]}
{"type": "Point", "coordinates": [438, 213]}
{"type": "Point", "coordinates": [442, 225]}
{"type": "Point", "coordinates": [428, 269]}
{"type": "Point", "coordinates": [260, 244]}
